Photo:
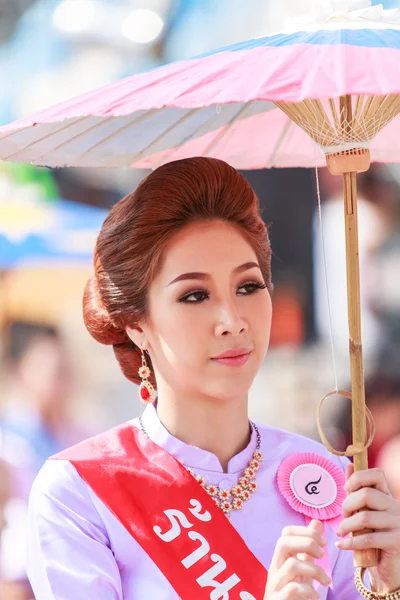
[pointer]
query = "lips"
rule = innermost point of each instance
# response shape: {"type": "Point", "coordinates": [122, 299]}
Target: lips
{"type": "Point", "coordinates": [233, 358]}
{"type": "Point", "coordinates": [234, 353]}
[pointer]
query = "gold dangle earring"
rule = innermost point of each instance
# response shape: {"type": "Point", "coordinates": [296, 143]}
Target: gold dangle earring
{"type": "Point", "coordinates": [147, 392]}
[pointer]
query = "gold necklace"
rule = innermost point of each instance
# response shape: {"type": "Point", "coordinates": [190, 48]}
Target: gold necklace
{"type": "Point", "coordinates": [233, 499]}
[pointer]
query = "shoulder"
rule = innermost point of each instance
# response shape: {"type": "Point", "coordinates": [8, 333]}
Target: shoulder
{"type": "Point", "coordinates": [58, 481]}
{"type": "Point", "coordinates": [60, 499]}
{"type": "Point", "coordinates": [113, 443]}
{"type": "Point", "coordinates": [283, 443]}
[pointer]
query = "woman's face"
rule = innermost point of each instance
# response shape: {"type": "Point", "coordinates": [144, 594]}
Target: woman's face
{"type": "Point", "coordinates": [208, 298]}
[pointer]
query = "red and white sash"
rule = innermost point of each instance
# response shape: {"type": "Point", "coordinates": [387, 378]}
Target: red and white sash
{"type": "Point", "coordinates": [170, 515]}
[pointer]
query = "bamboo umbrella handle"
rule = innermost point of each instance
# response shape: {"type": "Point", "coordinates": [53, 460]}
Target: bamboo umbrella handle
{"type": "Point", "coordinates": [362, 558]}
{"type": "Point", "coordinates": [348, 163]}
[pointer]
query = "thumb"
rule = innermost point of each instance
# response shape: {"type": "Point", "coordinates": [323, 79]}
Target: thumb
{"type": "Point", "coordinates": [317, 526]}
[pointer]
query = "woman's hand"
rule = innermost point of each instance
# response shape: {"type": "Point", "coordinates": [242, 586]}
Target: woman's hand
{"type": "Point", "coordinates": [369, 489]}
{"type": "Point", "coordinates": [293, 570]}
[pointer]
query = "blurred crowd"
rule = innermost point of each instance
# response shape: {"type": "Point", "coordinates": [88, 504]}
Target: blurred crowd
{"type": "Point", "coordinates": [34, 425]}
{"type": "Point", "coordinates": [57, 386]}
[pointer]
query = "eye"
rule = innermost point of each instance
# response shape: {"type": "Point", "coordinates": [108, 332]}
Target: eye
{"type": "Point", "coordinates": [251, 287]}
{"type": "Point", "coordinates": [199, 296]}
{"type": "Point", "coordinates": [195, 297]}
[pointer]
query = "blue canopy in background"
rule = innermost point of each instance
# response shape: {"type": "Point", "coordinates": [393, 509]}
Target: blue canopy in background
{"type": "Point", "coordinates": [68, 235]}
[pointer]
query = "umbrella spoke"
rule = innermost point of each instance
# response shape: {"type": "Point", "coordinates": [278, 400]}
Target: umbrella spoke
{"type": "Point", "coordinates": [239, 115]}
{"type": "Point", "coordinates": [54, 131]}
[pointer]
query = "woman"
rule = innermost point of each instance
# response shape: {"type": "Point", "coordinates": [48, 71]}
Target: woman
{"type": "Point", "coordinates": [192, 500]}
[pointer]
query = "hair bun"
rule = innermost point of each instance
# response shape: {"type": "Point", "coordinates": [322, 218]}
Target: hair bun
{"type": "Point", "coordinates": [97, 319]}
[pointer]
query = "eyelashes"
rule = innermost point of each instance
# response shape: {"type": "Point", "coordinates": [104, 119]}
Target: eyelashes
{"type": "Point", "coordinates": [201, 295]}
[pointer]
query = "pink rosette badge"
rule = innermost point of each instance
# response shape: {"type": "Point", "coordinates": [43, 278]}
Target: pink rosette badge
{"type": "Point", "coordinates": [312, 485]}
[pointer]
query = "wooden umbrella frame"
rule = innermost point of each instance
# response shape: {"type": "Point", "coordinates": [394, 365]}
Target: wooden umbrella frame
{"type": "Point", "coordinates": [344, 135]}
{"type": "Point", "coordinates": [348, 164]}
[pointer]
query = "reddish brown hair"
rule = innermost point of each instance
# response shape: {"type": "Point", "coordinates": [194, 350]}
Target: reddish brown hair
{"type": "Point", "coordinates": [131, 242]}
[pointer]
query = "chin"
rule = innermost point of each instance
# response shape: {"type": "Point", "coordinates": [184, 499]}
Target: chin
{"type": "Point", "coordinates": [228, 391]}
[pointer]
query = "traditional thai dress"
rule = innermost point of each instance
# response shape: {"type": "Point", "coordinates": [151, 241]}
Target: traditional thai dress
{"type": "Point", "coordinates": [120, 517]}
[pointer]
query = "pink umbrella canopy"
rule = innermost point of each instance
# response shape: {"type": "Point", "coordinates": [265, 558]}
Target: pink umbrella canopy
{"type": "Point", "coordinates": [222, 104]}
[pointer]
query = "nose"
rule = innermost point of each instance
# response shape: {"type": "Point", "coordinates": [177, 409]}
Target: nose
{"type": "Point", "coordinates": [229, 320]}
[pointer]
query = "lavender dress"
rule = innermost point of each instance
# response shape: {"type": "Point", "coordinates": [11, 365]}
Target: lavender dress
{"type": "Point", "coordinates": [77, 549]}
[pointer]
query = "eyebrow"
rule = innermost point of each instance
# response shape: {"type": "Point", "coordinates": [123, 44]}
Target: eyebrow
{"type": "Point", "coordinates": [245, 267]}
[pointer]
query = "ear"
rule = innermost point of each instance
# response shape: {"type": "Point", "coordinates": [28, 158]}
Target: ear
{"type": "Point", "coordinates": [138, 336]}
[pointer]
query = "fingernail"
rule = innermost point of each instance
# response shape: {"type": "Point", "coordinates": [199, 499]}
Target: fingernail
{"type": "Point", "coordinates": [321, 552]}
{"type": "Point", "coordinates": [324, 541]}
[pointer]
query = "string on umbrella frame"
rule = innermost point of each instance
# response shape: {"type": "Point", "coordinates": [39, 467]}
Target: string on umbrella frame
{"type": "Point", "coordinates": [321, 231]}
{"type": "Point", "coordinates": [327, 123]}
{"type": "Point", "coordinates": [341, 126]}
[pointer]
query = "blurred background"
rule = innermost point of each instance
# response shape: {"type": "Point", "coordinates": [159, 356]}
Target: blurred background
{"type": "Point", "coordinates": [57, 385]}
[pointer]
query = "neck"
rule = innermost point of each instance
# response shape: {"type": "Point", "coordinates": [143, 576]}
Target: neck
{"type": "Point", "coordinates": [218, 426]}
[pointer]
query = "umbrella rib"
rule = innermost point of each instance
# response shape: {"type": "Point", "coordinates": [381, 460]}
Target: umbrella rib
{"type": "Point", "coordinates": [374, 107]}
{"type": "Point", "coordinates": [112, 135]}
{"type": "Point", "coordinates": [294, 112]}
{"type": "Point", "coordinates": [395, 106]}
{"type": "Point", "coordinates": [74, 137]}
{"type": "Point", "coordinates": [334, 114]}
{"type": "Point", "coordinates": [325, 127]}
{"type": "Point", "coordinates": [383, 112]}
{"type": "Point", "coordinates": [370, 122]}
{"type": "Point", "coordinates": [42, 138]}
{"type": "Point", "coordinates": [170, 128]}
{"type": "Point", "coordinates": [194, 133]}
{"type": "Point", "coordinates": [285, 130]}
{"type": "Point", "coordinates": [228, 127]}
{"type": "Point", "coordinates": [390, 103]}
{"type": "Point", "coordinates": [107, 138]}
{"type": "Point", "coordinates": [359, 105]}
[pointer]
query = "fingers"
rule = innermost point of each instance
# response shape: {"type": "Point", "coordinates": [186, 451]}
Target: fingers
{"type": "Point", "coordinates": [316, 526]}
{"type": "Point", "coordinates": [368, 519]}
{"type": "Point", "coordinates": [368, 498]}
{"type": "Point", "coordinates": [366, 478]}
{"type": "Point", "coordinates": [293, 569]}
{"type": "Point", "coordinates": [369, 506]}
{"type": "Point", "coordinates": [294, 590]}
{"type": "Point", "coordinates": [315, 530]}
{"type": "Point", "coordinates": [300, 570]}
{"type": "Point", "coordinates": [291, 545]}
{"type": "Point", "coordinates": [375, 539]}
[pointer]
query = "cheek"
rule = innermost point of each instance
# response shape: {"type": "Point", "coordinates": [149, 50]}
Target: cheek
{"type": "Point", "coordinates": [260, 318]}
{"type": "Point", "coordinates": [181, 334]}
